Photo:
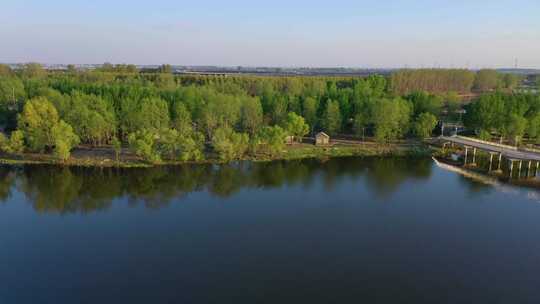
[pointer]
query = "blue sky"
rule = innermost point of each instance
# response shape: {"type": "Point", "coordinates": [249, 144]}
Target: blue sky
{"type": "Point", "coordinates": [390, 33]}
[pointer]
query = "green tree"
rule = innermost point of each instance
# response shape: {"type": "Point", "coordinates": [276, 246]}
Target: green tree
{"type": "Point", "coordinates": [37, 121]}
{"type": "Point", "coordinates": [296, 126]}
{"type": "Point", "coordinates": [424, 125]}
{"type": "Point", "coordinates": [271, 139]}
{"type": "Point", "coordinates": [453, 105]}
{"type": "Point", "coordinates": [71, 68]}
{"type": "Point", "coordinates": [488, 113]}
{"type": "Point", "coordinates": [5, 70]}
{"type": "Point", "coordinates": [190, 146]}
{"type": "Point", "coordinates": [117, 146]}
{"type": "Point", "coordinates": [143, 144]}
{"type": "Point", "coordinates": [165, 69]}
{"type": "Point", "coordinates": [153, 114]}
{"type": "Point", "coordinates": [229, 144]}
{"type": "Point", "coordinates": [332, 117]}
{"type": "Point", "coordinates": [182, 119]}
{"type": "Point", "coordinates": [33, 70]}
{"type": "Point", "coordinates": [486, 80]}
{"type": "Point", "coordinates": [251, 116]}
{"type": "Point", "coordinates": [310, 108]}
{"type": "Point", "coordinates": [515, 127]}
{"type": "Point", "coordinates": [64, 139]}
{"type": "Point", "coordinates": [16, 142]}
{"type": "Point", "coordinates": [391, 119]}
{"type": "Point", "coordinates": [423, 102]}
{"type": "Point", "coordinates": [484, 135]}
{"type": "Point", "coordinates": [510, 81]}
{"type": "Point", "coordinates": [12, 95]}
{"type": "Point", "coordinates": [359, 125]}
{"type": "Point", "coordinates": [94, 122]}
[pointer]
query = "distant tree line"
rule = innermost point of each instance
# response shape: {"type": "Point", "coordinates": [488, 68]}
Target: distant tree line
{"type": "Point", "coordinates": [451, 80]}
{"type": "Point", "coordinates": [162, 116]}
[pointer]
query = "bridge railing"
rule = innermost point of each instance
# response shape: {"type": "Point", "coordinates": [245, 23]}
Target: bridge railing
{"type": "Point", "coordinates": [531, 150]}
{"type": "Point", "coordinates": [486, 142]}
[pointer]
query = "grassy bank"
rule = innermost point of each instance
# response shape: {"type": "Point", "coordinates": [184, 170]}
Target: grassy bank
{"type": "Point", "coordinates": [105, 157]}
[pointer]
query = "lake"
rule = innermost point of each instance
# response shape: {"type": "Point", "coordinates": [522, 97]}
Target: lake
{"type": "Point", "coordinates": [348, 230]}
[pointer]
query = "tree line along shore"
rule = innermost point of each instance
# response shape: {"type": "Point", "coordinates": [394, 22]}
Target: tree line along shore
{"type": "Point", "coordinates": [128, 116]}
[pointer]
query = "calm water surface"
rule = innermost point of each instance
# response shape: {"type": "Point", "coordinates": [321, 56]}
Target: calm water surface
{"type": "Point", "coordinates": [349, 230]}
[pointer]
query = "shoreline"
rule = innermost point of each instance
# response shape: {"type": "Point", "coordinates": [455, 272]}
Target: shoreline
{"type": "Point", "coordinates": [89, 157]}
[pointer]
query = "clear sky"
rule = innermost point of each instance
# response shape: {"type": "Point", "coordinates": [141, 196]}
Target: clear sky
{"type": "Point", "coordinates": [360, 33]}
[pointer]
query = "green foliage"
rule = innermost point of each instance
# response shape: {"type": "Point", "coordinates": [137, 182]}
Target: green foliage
{"type": "Point", "coordinates": [166, 115]}
{"type": "Point", "coordinates": [5, 70]}
{"type": "Point", "coordinates": [533, 127]}
{"type": "Point", "coordinates": [424, 125]}
{"type": "Point", "coordinates": [94, 122]}
{"type": "Point", "coordinates": [37, 121]}
{"type": "Point", "coordinates": [117, 146]}
{"type": "Point", "coordinates": [271, 140]}
{"type": "Point", "coordinates": [40, 126]}
{"type": "Point", "coordinates": [431, 80]}
{"type": "Point", "coordinates": [515, 127]}
{"type": "Point", "coordinates": [296, 126]}
{"type": "Point", "coordinates": [391, 119]}
{"type": "Point", "coordinates": [190, 146]}
{"type": "Point", "coordinates": [453, 105]}
{"type": "Point", "coordinates": [509, 115]}
{"type": "Point", "coordinates": [153, 114]}
{"type": "Point", "coordinates": [484, 135]}
{"type": "Point", "coordinates": [228, 144]}
{"type": "Point", "coordinates": [510, 81]}
{"type": "Point", "coordinates": [143, 144]}
{"type": "Point", "coordinates": [251, 115]}
{"type": "Point", "coordinates": [182, 119]}
{"type": "Point", "coordinates": [488, 113]}
{"type": "Point", "coordinates": [423, 102]}
{"type": "Point", "coordinates": [12, 95]}
{"type": "Point", "coordinates": [64, 139]}
{"type": "Point", "coordinates": [15, 143]}
{"type": "Point", "coordinates": [486, 80]}
{"type": "Point", "coordinates": [154, 146]}
{"type": "Point", "coordinates": [332, 118]}
{"type": "Point", "coordinates": [33, 70]}
{"type": "Point", "coordinates": [310, 108]}
{"type": "Point", "coordinates": [118, 68]}
{"type": "Point", "coordinates": [165, 69]}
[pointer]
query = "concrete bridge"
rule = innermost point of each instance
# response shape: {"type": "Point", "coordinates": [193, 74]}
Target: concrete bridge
{"type": "Point", "coordinates": [513, 154]}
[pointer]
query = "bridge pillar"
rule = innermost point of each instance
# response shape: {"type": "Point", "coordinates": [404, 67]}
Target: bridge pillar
{"type": "Point", "coordinates": [474, 156]}
{"type": "Point", "coordinates": [536, 170]}
{"type": "Point", "coordinates": [499, 164]}
{"type": "Point", "coordinates": [466, 152]}
{"type": "Point", "coordinates": [511, 167]}
{"type": "Point", "coordinates": [529, 169]}
{"type": "Point", "coordinates": [490, 161]}
{"type": "Point", "coordinates": [519, 169]}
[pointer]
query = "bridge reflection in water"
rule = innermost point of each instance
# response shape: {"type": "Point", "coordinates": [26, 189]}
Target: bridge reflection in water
{"type": "Point", "coordinates": [532, 193]}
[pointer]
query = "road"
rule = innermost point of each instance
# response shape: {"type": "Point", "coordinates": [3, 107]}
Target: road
{"type": "Point", "coordinates": [506, 151]}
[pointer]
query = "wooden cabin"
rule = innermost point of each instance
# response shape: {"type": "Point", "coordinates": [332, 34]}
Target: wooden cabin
{"type": "Point", "coordinates": [322, 139]}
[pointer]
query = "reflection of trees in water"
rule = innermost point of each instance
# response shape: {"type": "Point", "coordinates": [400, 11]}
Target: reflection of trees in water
{"type": "Point", "coordinates": [7, 178]}
{"type": "Point", "coordinates": [77, 189]}
{"type": "Point", "coordinates": [385, 175]}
